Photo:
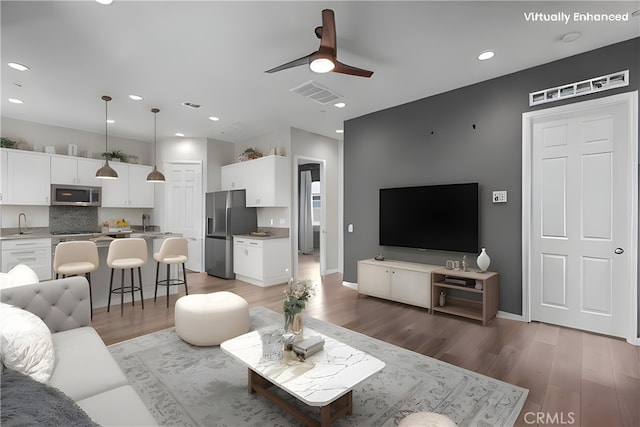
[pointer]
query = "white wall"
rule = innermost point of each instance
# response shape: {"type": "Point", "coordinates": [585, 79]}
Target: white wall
{"type": "Point", "coordinates": [270, 217]}
{"type": "Point", "coordinates": [37, 216]}
{"type": "Point", "coordinates": [39, 135]}
{"type": "Point", "coordinates": [212, 153]}
{"type": "Point", "coordinates": [264, 143]}
{"type": "Point", "coordinates": [219, 153]}
{"type": "Point", "coordinates": [309, 145]}
{"type": "Point", "coordinates": [89, 144]}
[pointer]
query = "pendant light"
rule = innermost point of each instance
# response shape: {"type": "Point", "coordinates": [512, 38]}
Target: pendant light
{"type": "Point", "coordinates": [106, 171]}
{"type": "Point", "coordinates": [155, 175]}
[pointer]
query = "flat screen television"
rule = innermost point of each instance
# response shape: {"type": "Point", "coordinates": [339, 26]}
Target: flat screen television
{"type": "Point", "coordinates": [438, 217]}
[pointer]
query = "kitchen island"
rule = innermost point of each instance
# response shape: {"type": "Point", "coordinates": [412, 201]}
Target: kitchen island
{"type": "Point", "coordinates": [100, 277]}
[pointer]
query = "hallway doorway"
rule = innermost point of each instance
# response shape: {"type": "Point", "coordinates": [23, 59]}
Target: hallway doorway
{"type": "Point", "coordinates": [309, 231]}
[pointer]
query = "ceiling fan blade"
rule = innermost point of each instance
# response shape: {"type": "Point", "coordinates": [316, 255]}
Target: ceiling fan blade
{"type": "Point", "coordinates": [295, 63]}
{"type": "Point", "coordinates": [328, 31]}
{"type": "Point", "coordinates": [327, 51]}
{"type": "Point", "coordinates": [353, 71]}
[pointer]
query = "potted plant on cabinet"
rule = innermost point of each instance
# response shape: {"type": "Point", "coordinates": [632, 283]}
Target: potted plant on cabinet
{"type": "Point", "coordinates": [115, 155]}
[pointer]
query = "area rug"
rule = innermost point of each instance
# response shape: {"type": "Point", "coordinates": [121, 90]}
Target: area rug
{"type": "Point", "coordinates": [185, 385]}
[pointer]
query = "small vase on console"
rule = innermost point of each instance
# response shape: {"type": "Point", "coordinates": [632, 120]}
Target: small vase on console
{"type": "Point", "coordinates": [483, 261]}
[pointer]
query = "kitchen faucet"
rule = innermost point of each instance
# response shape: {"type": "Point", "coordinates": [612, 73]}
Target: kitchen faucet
{"type": "Point", "coordinates": [20, 215]}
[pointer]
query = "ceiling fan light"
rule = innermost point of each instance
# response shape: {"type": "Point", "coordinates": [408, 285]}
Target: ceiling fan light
{"type": "Point", "coordinates": [322, 65]}
{"type": "Point", "coordinates": [155, 176]}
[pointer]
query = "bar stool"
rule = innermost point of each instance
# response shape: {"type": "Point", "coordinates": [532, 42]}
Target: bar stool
{"type": "Point", "coordinates": [77, 257]}
{"type": "Point", "coordinates": [172, 251]}
{"type": "Point", "coordinates": [126, 254]}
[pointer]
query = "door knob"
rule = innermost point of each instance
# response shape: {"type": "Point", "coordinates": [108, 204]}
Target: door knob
{"type": "Point", "coordinates": [618, 251]}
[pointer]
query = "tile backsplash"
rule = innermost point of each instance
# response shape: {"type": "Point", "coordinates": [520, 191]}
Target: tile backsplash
{"type": "Point", "coordinates": [73, 218]}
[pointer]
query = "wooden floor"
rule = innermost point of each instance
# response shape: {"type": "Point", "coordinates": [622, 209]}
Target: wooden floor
{"type": "Point", "coordinates": [573, 377]}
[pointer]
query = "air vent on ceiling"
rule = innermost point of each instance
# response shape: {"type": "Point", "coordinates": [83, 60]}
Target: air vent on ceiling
{"type": "Point", "coordinates": [314, 91]}
{"type": "Point", "coordinates": [597, 84]}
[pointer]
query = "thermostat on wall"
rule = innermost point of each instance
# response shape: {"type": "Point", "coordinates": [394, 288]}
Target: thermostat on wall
{"type": "Point", "coordinates": [499, 197]}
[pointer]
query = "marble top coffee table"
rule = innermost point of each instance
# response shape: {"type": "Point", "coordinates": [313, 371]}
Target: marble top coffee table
{"type": "Point", "coordinates": [325, 379]}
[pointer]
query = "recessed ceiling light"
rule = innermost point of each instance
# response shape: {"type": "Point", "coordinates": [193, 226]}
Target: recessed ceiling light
{"type": "Point", "coordinates": [179, 134]}
{"type": "Point", "coordinates": [136, 97]}
{"type": "Point", "coordinates": [16, 101]}
{"type": "Point", "coordinates": [105, 2]}
{"type": "Point", "coordinates": [111, 121]}
{"type": "Point", "coordinates": [214, 118]}
{"type": "Point", "coordinates": [340, 131]}
{"type": "Point", "coordinates": [487, 54]}
{"type": "Point", "coordinates": [191, 105]}
{"type": "Point", "coordinates": [569, 37]}
{"type": "Point", "coordinates": [17, 66]}
{"type": "Point", "coordinates": [340, 105]}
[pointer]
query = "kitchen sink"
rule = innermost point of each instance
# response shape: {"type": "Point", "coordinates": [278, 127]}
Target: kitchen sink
{"type": "Point", "coordinates": [21, 234]}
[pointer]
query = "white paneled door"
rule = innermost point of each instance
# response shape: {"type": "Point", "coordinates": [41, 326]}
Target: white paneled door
{"type": "Point", "coordinates": [184, 207]}
{"type": "Point", "coordinates": [582, 205]}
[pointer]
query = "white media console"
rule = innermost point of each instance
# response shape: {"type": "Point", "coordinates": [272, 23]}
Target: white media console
{"type": "Point", "coordinates": [401, 281]}
{"type": "Point", "coordinates": [419, 284]}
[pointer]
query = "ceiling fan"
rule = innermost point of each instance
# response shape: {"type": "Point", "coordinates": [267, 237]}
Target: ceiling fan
{"type": "Point", "coordinates": [324, 59]}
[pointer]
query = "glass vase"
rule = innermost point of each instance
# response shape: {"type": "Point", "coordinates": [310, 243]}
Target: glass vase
{"type": "Point", "coordinates": [293, 325]}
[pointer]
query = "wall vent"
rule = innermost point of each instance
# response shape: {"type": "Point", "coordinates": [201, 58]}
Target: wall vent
{"type": "Point", "coordinates": [314, 91]}
{"type": "Point", "coordinates": [597, 84]}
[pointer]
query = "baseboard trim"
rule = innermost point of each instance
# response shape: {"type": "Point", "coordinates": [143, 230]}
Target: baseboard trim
{"type": "Point", "coordinates": [634, 341]}
{"type": "Point", "coordinates": [510, 316]}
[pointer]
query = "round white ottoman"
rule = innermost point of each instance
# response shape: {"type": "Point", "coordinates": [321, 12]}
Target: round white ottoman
{"type": "Point", "coordinates": [426, 419]}
{"type": "Point", "coordinates": [209, 319]}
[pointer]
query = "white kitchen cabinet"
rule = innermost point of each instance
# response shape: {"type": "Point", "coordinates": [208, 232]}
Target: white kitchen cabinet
{"type": "Point", "coordinates": [262, 262]}
{"type": "Point", "coordinates": [35, 253]}
{"type": "Point", "coordinates": [405, 282]}
{"type": "Point", "coordinates": [267, 180]}
{"type": "Point", "coordinates": [130, 190]}
{"type": "Point", "coordinates": [247, 259]}
{"type": "Point", "coordinates": [25, 178]}
{"type": "Point", "coordinates": [75, 171]}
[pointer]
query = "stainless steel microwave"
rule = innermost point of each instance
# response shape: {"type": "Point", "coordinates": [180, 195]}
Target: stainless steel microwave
{"type": "Point", "coordinates": [74, 195]}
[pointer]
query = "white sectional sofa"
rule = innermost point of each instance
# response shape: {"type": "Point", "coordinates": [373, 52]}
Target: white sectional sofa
{"type": "Point", "coordinates": [84, 369]}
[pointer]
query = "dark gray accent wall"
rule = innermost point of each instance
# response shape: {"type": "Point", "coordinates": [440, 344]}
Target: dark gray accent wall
{"type": "Point", "coordinates": [471, 134]}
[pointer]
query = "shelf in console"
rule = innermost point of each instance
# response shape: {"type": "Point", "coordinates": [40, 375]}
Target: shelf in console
{"type": "Point", "coordinates": [462, 307]}
{"type": "Point", "coordinates": [461, 287]}
{"type": "Point", "coordinates": [483, 310]}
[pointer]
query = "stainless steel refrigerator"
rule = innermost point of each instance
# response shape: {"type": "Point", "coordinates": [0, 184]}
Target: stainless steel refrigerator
{"type": "Point", "coordinates": [226, 214]}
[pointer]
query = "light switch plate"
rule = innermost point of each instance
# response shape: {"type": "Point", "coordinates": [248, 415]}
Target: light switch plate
{"type": "Point", "coordinates": [499, 197]}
